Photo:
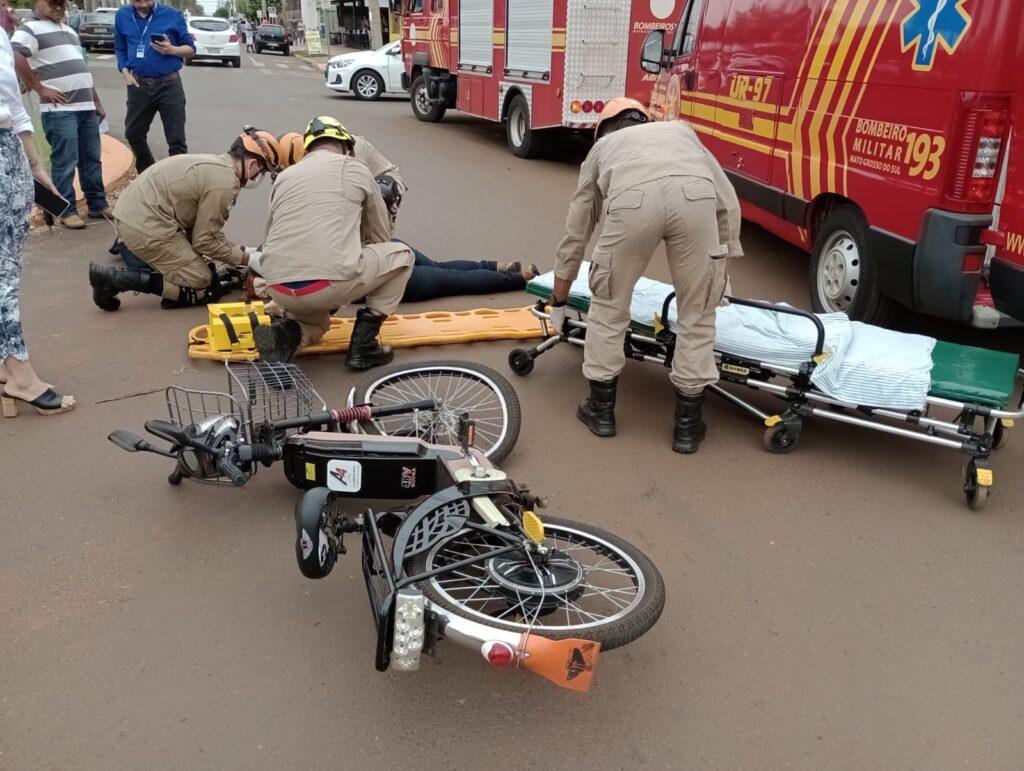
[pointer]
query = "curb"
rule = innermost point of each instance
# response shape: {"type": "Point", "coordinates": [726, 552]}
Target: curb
{"type": "Point", "coordinates": [314, 64]}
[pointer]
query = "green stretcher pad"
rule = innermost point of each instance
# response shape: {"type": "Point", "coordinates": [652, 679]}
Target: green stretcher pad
{"type": "Point", "coordinates": [975, 375]}
{"type": "Point", "coordinates": [959, 372]}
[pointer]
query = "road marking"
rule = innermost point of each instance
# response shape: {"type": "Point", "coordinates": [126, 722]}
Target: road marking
{"type": "Point", "coordinates": [256, 63]}
{"type": "Point", "coordinates": [283, 66]}
{"type": "Point", "coordinates": [103, 57]}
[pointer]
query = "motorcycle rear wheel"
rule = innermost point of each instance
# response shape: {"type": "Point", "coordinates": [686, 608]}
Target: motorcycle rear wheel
{"type": "Point", "coordinates": [615, 597]}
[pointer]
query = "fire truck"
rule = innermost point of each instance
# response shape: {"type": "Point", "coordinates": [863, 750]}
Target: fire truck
{"type": "Point", "coordinates": [872, 133]}
{"type": "Point", "coordinates": [530, 64]}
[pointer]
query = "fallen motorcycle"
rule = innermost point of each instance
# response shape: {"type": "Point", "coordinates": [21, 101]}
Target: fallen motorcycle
{"type": "Point", "coordinates": [463, 556]}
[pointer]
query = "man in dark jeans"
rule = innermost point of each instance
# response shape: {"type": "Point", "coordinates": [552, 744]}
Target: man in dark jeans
{"type": "Point", "coordinates": [151, 40]}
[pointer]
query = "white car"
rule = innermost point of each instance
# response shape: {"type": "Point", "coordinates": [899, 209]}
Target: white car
{"type": "Point", "coordinates": [367, 74]}
{"type": "Point", "coordinates": [215, 40]}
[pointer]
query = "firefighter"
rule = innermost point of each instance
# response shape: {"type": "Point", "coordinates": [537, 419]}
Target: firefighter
{"type": "Point", "coordinates": [648, 182]}
{"type": "Point", "coordinates": [328, 244]}
{"type": "Point", "coordinates": [170, 225]}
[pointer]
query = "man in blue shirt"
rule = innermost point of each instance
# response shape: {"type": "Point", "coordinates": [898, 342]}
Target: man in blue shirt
{"type": "Point", "coordinates": [151, 40]}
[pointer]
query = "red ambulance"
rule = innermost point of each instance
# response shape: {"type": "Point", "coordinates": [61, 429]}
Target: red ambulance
{"type": "Point", "coordinates": [1007, 234]}
{"type": "Point", "coordinates": [872, 133]}
{"type": "Point", "coordinates": [531, 64]}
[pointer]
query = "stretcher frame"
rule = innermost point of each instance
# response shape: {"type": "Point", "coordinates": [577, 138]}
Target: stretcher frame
{"type": "Point", "coordinates": [976, 431]}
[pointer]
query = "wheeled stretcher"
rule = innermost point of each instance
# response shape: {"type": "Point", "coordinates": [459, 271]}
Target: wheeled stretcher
{"type": "Point", "coordinates": [965, 402]}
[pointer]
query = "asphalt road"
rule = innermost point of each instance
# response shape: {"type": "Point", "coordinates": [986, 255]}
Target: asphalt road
{"type": "Point", "coordinates": [835, 608]}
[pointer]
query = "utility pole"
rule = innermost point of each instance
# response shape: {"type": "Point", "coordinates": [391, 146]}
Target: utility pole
{"type": "Point", "coordinates": [376, 36]}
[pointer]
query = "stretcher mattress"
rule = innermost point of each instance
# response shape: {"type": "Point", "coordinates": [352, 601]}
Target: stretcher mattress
{"type": "Point", "coordinates": [865, 365]}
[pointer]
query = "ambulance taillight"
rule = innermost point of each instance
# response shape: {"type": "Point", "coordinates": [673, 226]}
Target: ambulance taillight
{"type": "Point", "coordinates": [983, 127]}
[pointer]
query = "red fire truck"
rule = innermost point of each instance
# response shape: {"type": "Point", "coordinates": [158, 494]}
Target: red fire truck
{"type": "Point", "coordinates": [532, 64]}
{"type": "Point", "coordinates": [872, 133]}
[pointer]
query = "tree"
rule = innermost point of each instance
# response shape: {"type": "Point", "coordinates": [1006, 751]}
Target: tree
{"type": "Point", "coordinates": [223, 12]}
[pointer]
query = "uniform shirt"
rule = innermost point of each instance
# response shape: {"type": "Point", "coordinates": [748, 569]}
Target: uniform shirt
{"type": "Point", "coordinates": [376, 162]}
{"type": "Point", "coordinates": [55, 55]}
{"type": "Point", "coordinates": [322, 211]}
{"type": "Point", "coordinates": [630, 157]}
{"type": "Point", "coordinates": [131, 31]}
{"type": "Point", "coordinates": [190, 194]}
{"type": "Point", "coordinates": [12, 109]}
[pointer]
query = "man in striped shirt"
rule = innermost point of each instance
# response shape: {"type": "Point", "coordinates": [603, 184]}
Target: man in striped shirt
{"type": "Point", "coordinates": [49, 60]}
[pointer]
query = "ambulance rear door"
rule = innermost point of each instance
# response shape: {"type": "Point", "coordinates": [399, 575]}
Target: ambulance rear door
{"type": "Point", "coordinates": [1006, 272]}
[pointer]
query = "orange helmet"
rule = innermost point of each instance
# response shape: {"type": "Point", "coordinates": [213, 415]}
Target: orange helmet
{"type": "Point", "coordinates": [263, 145]}
{"type": "Point", "coordinates": [291, 147]}
{"type": "Point", "coordinates": [615, 108]}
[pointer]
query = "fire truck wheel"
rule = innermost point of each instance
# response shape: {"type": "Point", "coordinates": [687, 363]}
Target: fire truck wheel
{"type": "Point", "coordinates": [421, 105]}
{"type": "Point", "coordinates": [523, 141]}
{"type": "Point", "coordinates": [844, 275]}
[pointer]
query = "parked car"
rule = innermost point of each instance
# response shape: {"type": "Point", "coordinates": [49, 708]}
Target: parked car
{"type": "Point", "coordinates": [367, 74]}
{"type": "Point", "coordinates": [97, 31]}
{"type": "Point", "coordinates": [272, 37]}
{"type": "Point", "coordinates": [215, 40]}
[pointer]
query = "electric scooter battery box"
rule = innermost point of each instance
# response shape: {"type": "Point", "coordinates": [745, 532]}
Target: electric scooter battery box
{"type": "Point", "coordinates": [232, 325]}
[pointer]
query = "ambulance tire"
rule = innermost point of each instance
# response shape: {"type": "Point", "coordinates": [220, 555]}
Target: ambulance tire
{"type": "Point", "coordinates": [421, 106]}
{"type": "Point", "coordinates": [523, 141]}
{"type": "Point", "coordinates": [843, 241]}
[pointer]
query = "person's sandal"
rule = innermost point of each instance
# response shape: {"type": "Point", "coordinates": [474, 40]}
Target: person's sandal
{"type": "Point", "coordinates": [49, 402]}
{"type": "Point", "coordinates": [530, 272]}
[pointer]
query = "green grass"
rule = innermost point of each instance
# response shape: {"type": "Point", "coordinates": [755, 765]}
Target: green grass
{"type": "Point", "coordinates": [41, 144]}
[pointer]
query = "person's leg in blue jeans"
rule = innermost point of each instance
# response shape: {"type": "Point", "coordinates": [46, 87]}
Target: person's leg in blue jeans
{"type": "Point", "coordinates": [61, 130]}
{"type": "Point", "coordinates": [90, 163]}
{"type": "Point", "coordinates": [429, 282]}
{"type": "Point", "coordinates": [424, 261]}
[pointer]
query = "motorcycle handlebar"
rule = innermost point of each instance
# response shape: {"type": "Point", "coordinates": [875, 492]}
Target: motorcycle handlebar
{"type": "Point", "coordinates": [226, 467]}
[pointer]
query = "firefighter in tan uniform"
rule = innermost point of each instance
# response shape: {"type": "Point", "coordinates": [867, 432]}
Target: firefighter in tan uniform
{"type": "Point", "coordinates": [648, 182]}
{"type": "Point", "coordinates": [346, 254]}
{"type": "Point", "coordinates": [170, 224]}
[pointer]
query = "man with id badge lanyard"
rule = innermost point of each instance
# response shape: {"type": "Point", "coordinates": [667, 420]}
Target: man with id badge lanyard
{"type": "Point", "coordinates": [151, 41]}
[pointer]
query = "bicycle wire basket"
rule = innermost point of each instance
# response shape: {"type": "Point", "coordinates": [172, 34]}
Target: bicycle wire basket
{"type": "Point", "coordinates": [258, 393]}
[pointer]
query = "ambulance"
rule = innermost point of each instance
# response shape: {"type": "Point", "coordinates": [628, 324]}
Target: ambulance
{"type": "Point", "coordinates": [533, 65]}
{"type": "Point", "coordinates": [872, 133]}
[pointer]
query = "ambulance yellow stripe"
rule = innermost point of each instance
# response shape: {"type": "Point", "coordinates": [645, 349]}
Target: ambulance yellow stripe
{"type": "Point", "coordinates": [729, 119]}
{"type": "Point", "coordinates": [864, 86]}
{"type": "Point", "coordinates": [807, 94]}
{"type": "Point", "coordinates": [835, 72]}
{"type": "Point", "coordinates": [739, 141]}
{"type": "Point", "coordinates": [850, 78]}
{"type": "Point", "coordinates": [807, 53]}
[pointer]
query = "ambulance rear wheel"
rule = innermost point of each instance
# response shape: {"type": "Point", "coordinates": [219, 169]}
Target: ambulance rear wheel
{"type": "Point", "coordinates": [422, 107]}
{"type": "Point", "coordinates": [523, 141]}
{"type": "Point", "coordinates": [844, 274]}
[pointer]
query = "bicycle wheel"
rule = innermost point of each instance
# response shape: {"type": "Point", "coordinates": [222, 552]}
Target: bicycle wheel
{"type": "Point", "coordinates": [459, 387]}
{"type": "Point", "coordinates": [594, 585]}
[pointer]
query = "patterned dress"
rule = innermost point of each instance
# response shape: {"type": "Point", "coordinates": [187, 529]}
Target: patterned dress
{"type": "Point", "coordinates": [16, 191]}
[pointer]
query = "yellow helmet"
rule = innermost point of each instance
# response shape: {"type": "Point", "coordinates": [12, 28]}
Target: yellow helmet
{"type": "Point", "coordinates": [292, 148]}
{"type": "Point", "coordinates": [325, 127]}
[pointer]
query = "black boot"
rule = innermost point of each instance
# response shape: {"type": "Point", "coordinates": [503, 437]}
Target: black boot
{"type": "Point", "coordinates": [108, 282]}
{"type": "Point", "coordinates": [364, 348]}
{"type": "Point", "coordinates": [597, 411]}
{"type": "Point", "coordinates": [689, 428]}
{"type": "Point", "coordinates": [279, 341]}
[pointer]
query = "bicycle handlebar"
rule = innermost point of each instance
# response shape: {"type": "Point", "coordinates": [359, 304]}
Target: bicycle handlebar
{"type": "Point", "coordinates": [226, 467]}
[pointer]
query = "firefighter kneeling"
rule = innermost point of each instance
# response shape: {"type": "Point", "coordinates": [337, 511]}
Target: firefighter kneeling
{"type": "Point", "coordinates": [651, 182]}
{"type": "Point", "coordinates": [328, 244]}
{"type": "Point", "coordinates": [170, 224]}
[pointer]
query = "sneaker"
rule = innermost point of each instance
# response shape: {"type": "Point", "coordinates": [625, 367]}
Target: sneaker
{"type": "Point", "coordinates": [530, 272]}
{"type": "Point", "coordinates": [73, 222]}
{"type": "Point", "coordinates": [103, 214]}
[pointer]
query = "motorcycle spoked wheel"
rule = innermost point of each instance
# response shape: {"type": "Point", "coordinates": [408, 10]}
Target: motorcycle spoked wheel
{"type": "Point", "coordinates": [460, 387]}
{"type": "Point", "coordinates": [596, 586]}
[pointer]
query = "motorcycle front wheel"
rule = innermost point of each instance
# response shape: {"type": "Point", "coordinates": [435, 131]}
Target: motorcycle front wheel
{"type": "Point", "coordinates": [459, 387]}
{"type": "Point", "coordinates": [593, 586]}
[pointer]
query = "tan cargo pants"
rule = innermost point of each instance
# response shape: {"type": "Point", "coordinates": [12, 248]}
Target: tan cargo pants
{"type": "Point", "coordinates": [175, 259]}
{"type": "Point", "coordinates": [382, 282]}
{"type": "Point", "coordinates": [681, 212]}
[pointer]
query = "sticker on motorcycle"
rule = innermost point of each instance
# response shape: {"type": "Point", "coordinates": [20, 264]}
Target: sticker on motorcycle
{"type": "Point", "coordinates": [344, 476]}
{"type": "Point", "coordinates": [306, 543]}
{"type": "Point", "coordinates": [324, 547]}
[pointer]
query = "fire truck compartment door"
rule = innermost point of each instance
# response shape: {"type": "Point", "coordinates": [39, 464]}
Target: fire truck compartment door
{"type": "Point", "coordinates": [476, 25]}
{"type": "Point", "coordinates": [528, 37]}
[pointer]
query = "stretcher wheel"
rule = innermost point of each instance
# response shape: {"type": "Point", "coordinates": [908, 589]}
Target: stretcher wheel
{"type": "Point", "coordinates": [976, 492]}
{"type": "Point", "coordinates": [779, 440]}
{"type": "Point", "coordinates": [520, 361]}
